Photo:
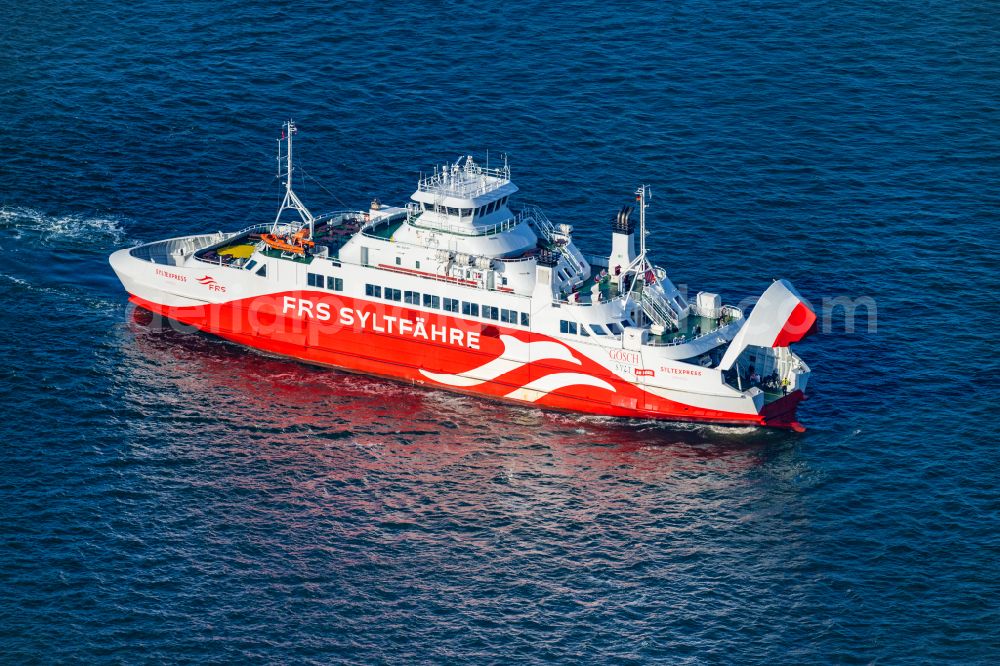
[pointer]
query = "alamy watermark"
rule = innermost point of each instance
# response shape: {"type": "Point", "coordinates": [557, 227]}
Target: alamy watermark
{"type": "Point", "coordinates": [264, 316]}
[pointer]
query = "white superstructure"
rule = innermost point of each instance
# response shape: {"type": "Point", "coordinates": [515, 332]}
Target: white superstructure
{"type": "Point", "coordinates": [539, 320]}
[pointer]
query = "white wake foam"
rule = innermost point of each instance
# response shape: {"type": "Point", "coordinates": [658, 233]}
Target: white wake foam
{"type": "Point", "coordinates": [55, 230]}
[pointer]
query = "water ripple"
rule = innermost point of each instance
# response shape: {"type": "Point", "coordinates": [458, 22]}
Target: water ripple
{"type": "Point", "coordinates": [171, 497]}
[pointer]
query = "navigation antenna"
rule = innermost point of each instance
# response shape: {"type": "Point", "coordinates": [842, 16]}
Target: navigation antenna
{"type": "Point", "coordinates": [642, 197]}
{"type": "Point", "coordinates": [291, 201]}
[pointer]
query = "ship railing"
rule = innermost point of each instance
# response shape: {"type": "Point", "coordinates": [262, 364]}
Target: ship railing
{"type": "Point", "coordinates": [534, 216]}
{"type": "Point", "coordinates": [468, 191]}
{"type": "Point", "coordinates": [254, 228]}
{"type": "Point", "coordinates": [732, 317]}
{"type": "Point", "coordinates": [264, 227]}
{"type": "Point", "coordinates": [573, 261]}
{"type": "Point", "coordinates": [514, 260]}
{"type": "Point", "coordinates": [470, 181]}
{"type": "Point", "coordinates": [344, 214]}
{"type": "Point", "coordinates": [457, 230]}
{"type": "Point", "coordinates": [214, 262]}
{"type": "Point", "coordinates": [171, 250]}
{"type": "Point", "coordinates": [259, 228]}
{"type": "Point", "coordinates": [595, 260]}
{"type": "Point", "coordinates": [685, 340]}
{"type": "Point", "coordinates": [656, 307]}
{"type": "Point", "coordinates": [559, 302]}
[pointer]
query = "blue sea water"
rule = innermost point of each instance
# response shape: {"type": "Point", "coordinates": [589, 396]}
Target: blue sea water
{"type": "Point", "coordinates": [169, 498]}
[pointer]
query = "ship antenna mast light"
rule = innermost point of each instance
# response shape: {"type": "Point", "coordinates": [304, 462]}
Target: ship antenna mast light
{"type": "Point", "coordinates": [291, 200]}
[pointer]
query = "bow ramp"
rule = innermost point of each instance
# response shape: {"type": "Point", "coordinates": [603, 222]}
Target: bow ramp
{"type": "Point", "coordinates": [760, 350]}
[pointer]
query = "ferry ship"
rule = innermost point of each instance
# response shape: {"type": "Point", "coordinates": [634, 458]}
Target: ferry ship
{"type": "Point", "coordinates": [459, 289]}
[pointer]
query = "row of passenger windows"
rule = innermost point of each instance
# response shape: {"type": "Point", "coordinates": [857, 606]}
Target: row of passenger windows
{"type": "Point", "coordinates": [571, 327]}
{"type": "Point", "coordinates": [466, 212]}
{"type": "Point", "coordinates": [325, 281]}
{"type": "Point", "coordinates": [450, 305]}
{"type": "Point", "coordinates": [494, 313]}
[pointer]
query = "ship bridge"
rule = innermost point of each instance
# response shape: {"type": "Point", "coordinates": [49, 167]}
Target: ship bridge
{"type": "Point", "coordinates": [464, 198]}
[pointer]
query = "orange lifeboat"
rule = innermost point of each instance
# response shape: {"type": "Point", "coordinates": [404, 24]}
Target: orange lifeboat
{"type": "Point", "coordinates": [301, 238]}
{"type": "Point", "coordinates": [297, 244]}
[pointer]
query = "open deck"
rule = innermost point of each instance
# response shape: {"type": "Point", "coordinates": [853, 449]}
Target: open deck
{"type": "Point", "coordinates": [334, 233]}
{"type": "Point", "coordinates": [331, 231]}
{"type": "Point", "coordinates": [691, 327]}
{"type": "Point", "coordinates": [385, 229]}
{"type": "Point", "coordinates": [606, 289]}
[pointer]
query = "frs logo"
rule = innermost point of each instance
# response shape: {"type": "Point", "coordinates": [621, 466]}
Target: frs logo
{"type": "Point", "coordinates": [303, 308]}
{"type": "Point", "coordinates": [209, 281]}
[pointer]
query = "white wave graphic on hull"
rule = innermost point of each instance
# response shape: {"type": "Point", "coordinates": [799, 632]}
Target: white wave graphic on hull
{"type": "Point", "coordinates": [516, 354]}
{"type": "Point", "coordinates": [541, 387]}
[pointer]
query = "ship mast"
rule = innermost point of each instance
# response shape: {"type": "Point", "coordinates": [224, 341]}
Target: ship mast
{"type": "Point", "coordinates": [291, 200]}
{"type": "Point", "coordinates": [639, 264]}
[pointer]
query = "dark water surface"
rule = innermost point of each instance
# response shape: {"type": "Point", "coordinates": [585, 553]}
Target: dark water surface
{"type": "Point", "coordinates": [172, 498]}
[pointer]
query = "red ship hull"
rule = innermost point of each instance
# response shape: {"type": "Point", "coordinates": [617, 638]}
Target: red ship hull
{"type": "Point", "coordinates": [371, 338]}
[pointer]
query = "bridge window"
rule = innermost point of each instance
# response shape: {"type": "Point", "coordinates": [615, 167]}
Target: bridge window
{"type": "Point", "coordinates": [567, 326]}
{"type": "Point", "coordinates": [412, 297]}
{"type": "Point", "coordinates": [597, 328]}
{"type": "Point", "coordinates": [452, 211]}
{"type": "Point", "coordinates": [251, 264]}
{"type": "Point", "coordinates": [262, 271]}
{"type": "Point", "coordinates": [451, 304]}
{"type": "Point", "coordinates": [335, 283]}
{"type": "Point", "coordinates": [615, 328]}
{"type": "Point", "coordinates": [393, 294]}
{"type": "Point", "coordinates": [432, 301]}
{"type": "Point", "coordinates": [471, 309]}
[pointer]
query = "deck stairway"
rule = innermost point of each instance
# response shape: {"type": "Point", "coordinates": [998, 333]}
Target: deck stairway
{"type": "Point", "coordinates": [547, 231]}
{"type": "Point", "coordinates": [657, 308]}
{"type": "Point", "coordinates": [536, 218]}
